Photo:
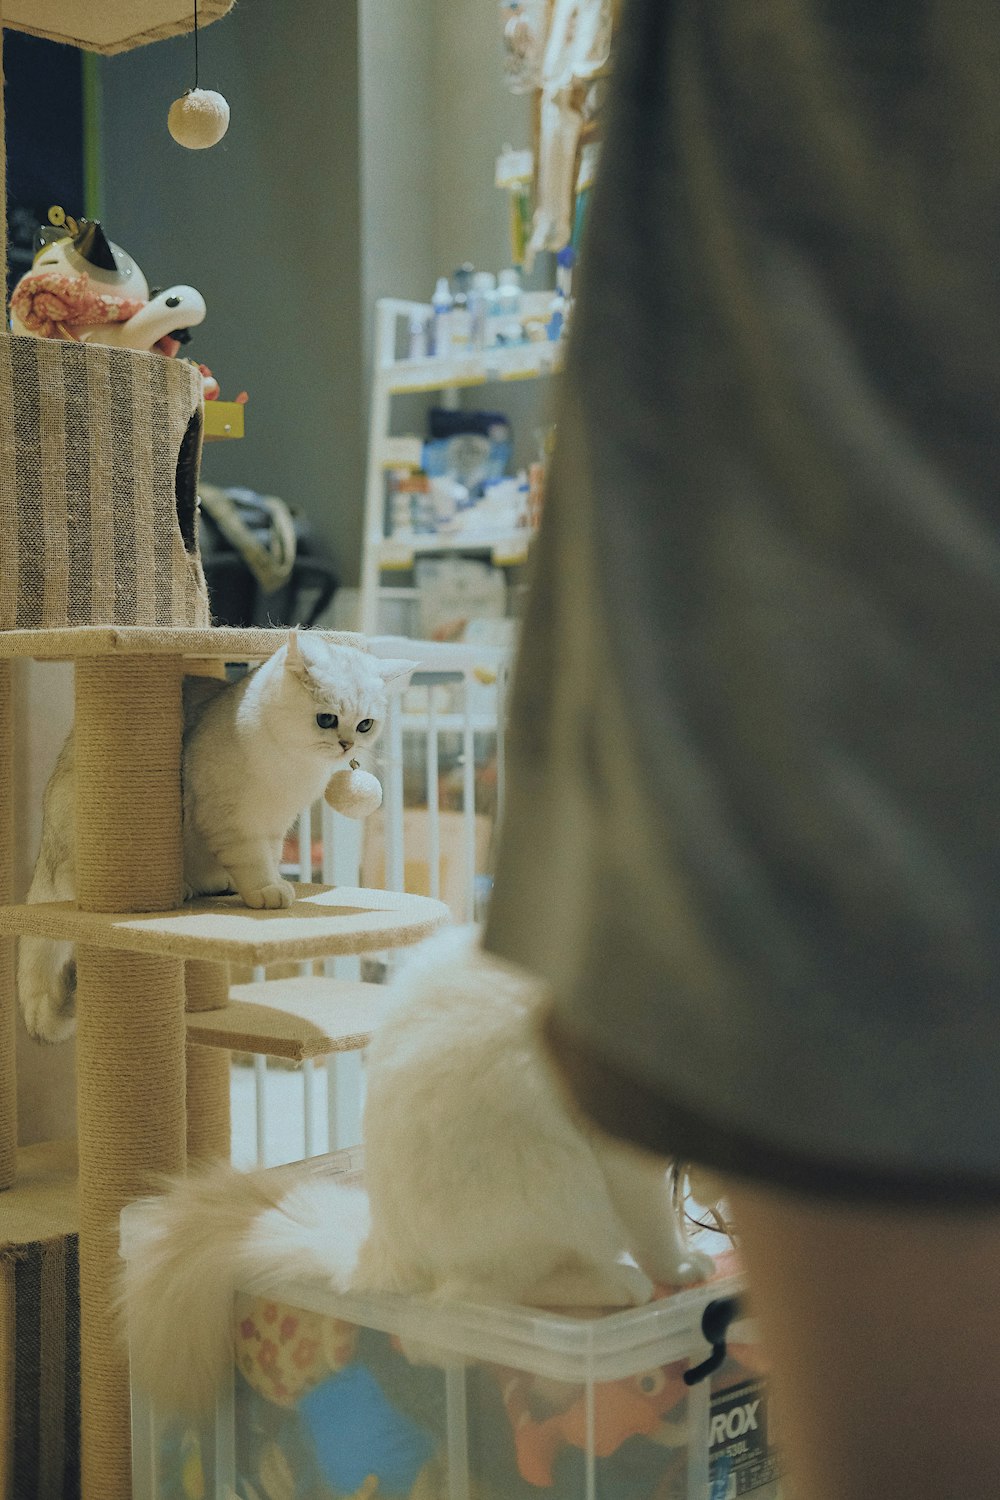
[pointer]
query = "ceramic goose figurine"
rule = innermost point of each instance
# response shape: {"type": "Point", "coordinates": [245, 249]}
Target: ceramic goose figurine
{"type": "Point", "coordinates": [86, 288]}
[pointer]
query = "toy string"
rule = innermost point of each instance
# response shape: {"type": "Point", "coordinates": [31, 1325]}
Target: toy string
{"type": "Point", "coordinates": [196, 43]}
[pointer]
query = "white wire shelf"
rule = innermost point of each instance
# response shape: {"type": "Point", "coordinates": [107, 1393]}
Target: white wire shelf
{"type": "Point", "coordinates": [521, 362]}
{"type": "Point", "coordinates": [503, 546]}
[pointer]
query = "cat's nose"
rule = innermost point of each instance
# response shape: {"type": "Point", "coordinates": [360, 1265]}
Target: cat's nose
{"type": "Point", "coordinates": [346, 744]}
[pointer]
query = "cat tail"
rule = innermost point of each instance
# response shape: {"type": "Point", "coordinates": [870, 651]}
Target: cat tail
{"type": "Point", "coordinates": [46, 987]}
{"type": "Point", "coordinates": [209, 1234]}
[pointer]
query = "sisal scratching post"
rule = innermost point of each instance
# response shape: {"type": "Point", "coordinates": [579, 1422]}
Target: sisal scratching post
{"type": "Point", "coordinates": [208, 1076]}
{"type": "Point", "coordinates": [130, 1057]}
{"type": "Point", "coordinates": [8, 1082]}
{"type": "Point", "coordinates": [128, 817]}
{"type": "Point", "coordinates": [130, 1044]}
{"type": "Point", "coordinates": [208, 1122]}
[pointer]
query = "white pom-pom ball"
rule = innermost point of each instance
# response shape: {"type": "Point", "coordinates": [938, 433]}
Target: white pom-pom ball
{"type": "Point", "coordinates": [355, 793]}
{"type": "Point", "coordinates": [198, 119]}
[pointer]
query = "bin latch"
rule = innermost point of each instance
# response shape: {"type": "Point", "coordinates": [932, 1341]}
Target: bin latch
{"type": "Point", "coordinates": [715, 1321]}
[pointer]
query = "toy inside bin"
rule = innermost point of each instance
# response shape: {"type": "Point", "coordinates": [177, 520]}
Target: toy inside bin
{"type": "Point", "coordinates": [398, 1396]}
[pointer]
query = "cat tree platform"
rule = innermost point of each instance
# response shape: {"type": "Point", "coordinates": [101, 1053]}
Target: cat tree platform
{"type": "Point", "coordinates": [149, 968]}
{"type": "Point", "coordinates": [323, 922]}
{"type": "Point", "coordinates": [296, 1019]}
{"type": "Point", "coordinates": [224, 643]}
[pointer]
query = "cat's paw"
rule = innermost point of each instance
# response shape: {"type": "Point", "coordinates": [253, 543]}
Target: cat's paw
{"type": "Point", "coordinates": [274, 897]}
{"type": "Point", "coordinates": [52, 1017]}
{"type": "Point", "coordinates": [48, 1024]}
{"type": "Point", "coordinates": [636, 1287]}
{"type": "Point", "coordinates": [694, 1265]}
{"type": "Point", "coordinates": [603, 1284]}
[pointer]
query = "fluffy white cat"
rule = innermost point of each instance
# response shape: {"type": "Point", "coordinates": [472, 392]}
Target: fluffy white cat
{"type": "Point", "coordinates": [255, 752]}
{"type": "Point", "coordinates": [482, 1184]}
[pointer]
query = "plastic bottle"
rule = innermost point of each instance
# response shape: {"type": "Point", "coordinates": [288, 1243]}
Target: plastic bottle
{"type": "Point", "coordinates": [421, 503]}
{"type": "Point", "coordinates": [509, 293]}
{"type": "Point", "coordinates": [557, 316]}
{"type": "Point", "coordinates": [460, 325]}
{"type": "Point", "coordinates": [460, 321]}
{"type": "Point", "coordinates": [559, 307]}
{"type": "Point", "coordinates": [565, 261]}
{"type": "Point", "coordinates": [442, 304]}
{"type": "Point", "coordinates": [484, 285]}
{"type": "Point", "coordinates": [494, 319]}
{"type": "Point", "coordinates": [418, 337]}
{"type": "Point", "coordinates": [523, 499]}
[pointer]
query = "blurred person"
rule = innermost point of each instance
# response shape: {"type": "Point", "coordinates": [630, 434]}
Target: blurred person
{"type": "Point", "coordinates": [753, 824]}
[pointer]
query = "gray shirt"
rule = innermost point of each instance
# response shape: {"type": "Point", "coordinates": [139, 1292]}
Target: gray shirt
{"type": "Point", "coordinates": [753, 827]}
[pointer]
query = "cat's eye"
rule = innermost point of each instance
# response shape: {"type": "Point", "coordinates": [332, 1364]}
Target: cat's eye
{"type": "Point", "coordinates": [326, 721]}
{"type": "Point", "coordinates": [365, 725]}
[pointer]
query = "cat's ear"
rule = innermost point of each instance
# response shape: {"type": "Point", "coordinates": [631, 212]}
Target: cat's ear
{"type": "Point", "coordinates": [395, 671]}
{"type": "Point", "coordinates": [294, 660]}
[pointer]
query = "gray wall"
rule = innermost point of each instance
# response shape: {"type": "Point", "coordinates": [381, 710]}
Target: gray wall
{"type": "Point", "coordinates": [267, 226]}
{"type": "Point", "coordinates": [397, 113]}
{"type": "Point", "coordinates": [475, 117]}
{"type": "Point", "coordinates": [359, 163]}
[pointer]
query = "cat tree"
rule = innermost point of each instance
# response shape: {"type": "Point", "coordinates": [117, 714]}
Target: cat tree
{"type": "Point", "coordinates": [122, 596]}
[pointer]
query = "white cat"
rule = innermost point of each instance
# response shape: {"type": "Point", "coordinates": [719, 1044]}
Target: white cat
{"type": "Point", "coordinates": [255, 752]}
{"type": "Point", "coordinates": [483, 1184]}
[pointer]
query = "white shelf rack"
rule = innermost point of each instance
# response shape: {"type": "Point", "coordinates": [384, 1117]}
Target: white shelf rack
{"type": "Point", "coordinates": [394, 377]}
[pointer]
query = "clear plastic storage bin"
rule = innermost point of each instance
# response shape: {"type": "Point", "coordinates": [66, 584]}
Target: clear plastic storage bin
{"type": "Point", "coordinates": [389, 1396]}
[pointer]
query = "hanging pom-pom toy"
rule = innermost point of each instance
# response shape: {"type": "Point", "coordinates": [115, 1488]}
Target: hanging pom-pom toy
{"type": "Point", "coordinates": [354, 792]}
{"type": "Point", "coordinates": [198, 119]}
